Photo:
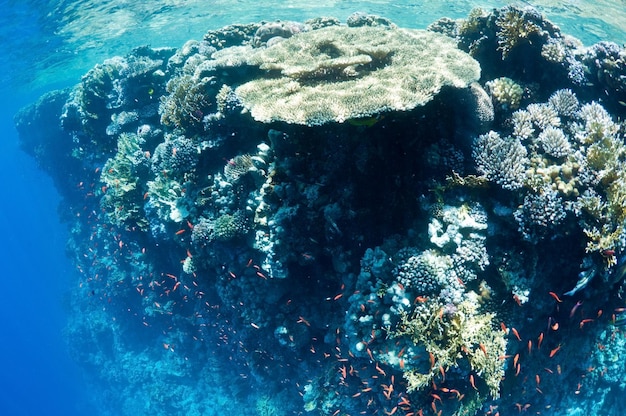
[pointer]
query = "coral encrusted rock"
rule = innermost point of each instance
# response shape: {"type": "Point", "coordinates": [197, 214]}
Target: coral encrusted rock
{"type": "Point", "coordinates": [339, 73]}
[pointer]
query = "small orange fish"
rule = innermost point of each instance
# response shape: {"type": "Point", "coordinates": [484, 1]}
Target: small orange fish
{"type": "Point", "coordinates": [516, 334]}
{"type": "Point", "coordinates": [472, 382]}
{"type": "Point", "coordinates": [583, 322]}
{"type": "Point", "coordinates": [555, 350]}
{"type": "Point", "coordinates": [301, 320]}
{"type": "Point", "coordinates": [483, 348]}
{"type": "Point", "coordinates": [555, 296]}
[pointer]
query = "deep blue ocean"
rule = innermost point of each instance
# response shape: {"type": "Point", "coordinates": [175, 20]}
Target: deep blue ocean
{"type": "Point", "coordinates": [47, 45]}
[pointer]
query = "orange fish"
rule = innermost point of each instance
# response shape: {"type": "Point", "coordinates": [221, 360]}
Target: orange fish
{"type": "Point", "coordinates": [516, 334]}
{"type": "Point", "coordinates": [555, 297]}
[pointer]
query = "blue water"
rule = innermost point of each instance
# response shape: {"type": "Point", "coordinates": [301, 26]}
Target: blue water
{"type": "Point", "coordinates": [48, 45]}
{"type": "Point", "coordinates": [37, 376]}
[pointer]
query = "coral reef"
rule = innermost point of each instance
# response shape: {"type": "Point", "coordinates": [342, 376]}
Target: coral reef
{"type": "Point", "coordinates": [289, 217]}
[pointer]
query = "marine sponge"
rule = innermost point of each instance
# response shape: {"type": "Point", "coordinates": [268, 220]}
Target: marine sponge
{"type": "Point", "coordinates": [339, 73]}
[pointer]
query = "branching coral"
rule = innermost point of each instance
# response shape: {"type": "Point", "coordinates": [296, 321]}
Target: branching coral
{"type": "Point", "coordinates": [187, 102]}
{"type": "Point", "coordinates": [175, 156]}
{"type": "Point", "coordinates": [502, 160]}
{"type": "Point", "coordinates": [574, 163]}
{"type": "Point", "coordinates": [506, 93]}
{"type": "Point", "coordinates": [514, 27]}
{"type": "Point", "coordinates": [554, 142]}
{"type": "Point", "coordinates": [540, 213]}
{"type": "Point", "coordinates": [464, 335]}
{"type": "Point", "coordinates": [564, 102]}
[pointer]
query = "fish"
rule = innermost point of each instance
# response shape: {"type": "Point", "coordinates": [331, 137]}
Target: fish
{"type": "Point", "coordinates": [584, 278]}
{"type": "Point", "coordinates": [365, 121]}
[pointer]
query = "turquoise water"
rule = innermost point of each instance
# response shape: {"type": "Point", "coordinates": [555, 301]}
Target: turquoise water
{"type": "Point", "coordinates": [54, 43]}
{"type": "Point", "coordinates": [62, 350]}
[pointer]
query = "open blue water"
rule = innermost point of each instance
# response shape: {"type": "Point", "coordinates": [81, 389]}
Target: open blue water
{"type": "Point", "coordinates": [47, 45]}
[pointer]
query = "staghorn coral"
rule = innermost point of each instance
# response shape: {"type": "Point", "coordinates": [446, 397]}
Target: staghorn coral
{"type": "Point", "coordinates": [339, 73]}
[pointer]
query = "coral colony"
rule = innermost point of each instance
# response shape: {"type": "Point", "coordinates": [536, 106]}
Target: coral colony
{"type": "Point", "coordinates": [348, 219]}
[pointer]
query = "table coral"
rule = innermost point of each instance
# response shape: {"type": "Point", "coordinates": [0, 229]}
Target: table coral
{"type": "Point", "coordinates": [340, 73]}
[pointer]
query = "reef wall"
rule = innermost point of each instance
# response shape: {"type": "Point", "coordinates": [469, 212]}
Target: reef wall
{"type": "Point", "coordinates": [347, 219]}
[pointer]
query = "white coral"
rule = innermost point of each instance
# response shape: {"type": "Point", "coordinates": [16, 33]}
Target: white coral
{"type": "Point", "coordinates": [554, 142]}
